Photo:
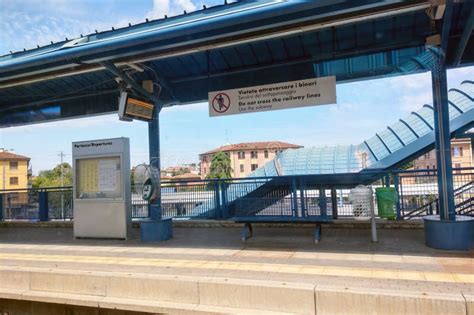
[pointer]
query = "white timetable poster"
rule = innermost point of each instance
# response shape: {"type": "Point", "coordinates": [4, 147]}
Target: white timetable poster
{"type": "Point", "coordinates": [107, 175]}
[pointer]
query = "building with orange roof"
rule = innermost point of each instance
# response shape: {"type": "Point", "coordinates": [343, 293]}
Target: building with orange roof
{"type": "Point", "coordinates": [246, 157]}
{"type": "Point", "coordinates": [14, 171]}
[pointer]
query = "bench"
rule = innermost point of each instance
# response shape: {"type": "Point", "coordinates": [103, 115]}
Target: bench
{"type": "Point", "coordinates": [247, 230]}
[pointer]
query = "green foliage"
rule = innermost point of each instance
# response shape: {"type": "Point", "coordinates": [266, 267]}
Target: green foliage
{"type": "Point", "coordinates": [408, 166]}
{"type": "Point", "coordinates": [220, 166]}
{"type": "Point", "coordinates": [52, 178]}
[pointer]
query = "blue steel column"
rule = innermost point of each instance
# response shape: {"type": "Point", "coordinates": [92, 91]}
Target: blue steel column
{"type": "Point", "coordinates": [155, 228]}
{"type": "Point", "coordinates": [154, 155]}
{"type": "Point", "coordinates": [1, 207]}
{"type": "Point", "coordinates": [443, 140]}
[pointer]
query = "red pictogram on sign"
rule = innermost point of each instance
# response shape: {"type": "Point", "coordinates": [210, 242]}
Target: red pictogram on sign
{"type": "Point", "coordinates": [221, 102]}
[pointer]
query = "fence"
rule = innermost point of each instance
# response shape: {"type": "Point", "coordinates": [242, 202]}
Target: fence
{"type": "Point", "coordinates": [287, 196]}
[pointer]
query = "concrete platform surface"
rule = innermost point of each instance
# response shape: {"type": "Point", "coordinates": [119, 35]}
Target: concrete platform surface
{"type": "Point", "coordinates": [209, 270]}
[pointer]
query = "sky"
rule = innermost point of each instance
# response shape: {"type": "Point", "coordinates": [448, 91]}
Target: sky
{"type": "Point", "coordinates": [362, 108]}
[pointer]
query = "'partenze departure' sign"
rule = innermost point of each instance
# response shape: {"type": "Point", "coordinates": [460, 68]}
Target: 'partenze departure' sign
{"type": "Point", "coordinates": [318, 91]}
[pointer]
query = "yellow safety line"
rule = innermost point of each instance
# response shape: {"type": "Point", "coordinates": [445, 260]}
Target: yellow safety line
{"type": "Point", "coordinates": [402, 259]}
{"type": "Point", "coordinates": [250, 266]}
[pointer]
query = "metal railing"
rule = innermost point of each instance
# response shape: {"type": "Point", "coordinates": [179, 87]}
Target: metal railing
{"type": "Point", "coordinates": [283, 197]}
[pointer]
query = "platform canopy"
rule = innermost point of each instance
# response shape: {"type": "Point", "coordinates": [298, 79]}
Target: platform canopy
{"type": "Point", "coordinates": [228, 46]}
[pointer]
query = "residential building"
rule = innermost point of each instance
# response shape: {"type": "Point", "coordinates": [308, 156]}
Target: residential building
{"type": "Point", "coordinates": [461, 156]}
{"type": "Point", "coordinates": [172, 171]}
{"type": "Point", "coordinates": [245, 157]}
{"type": "Point", "coordinates": [14, 171]}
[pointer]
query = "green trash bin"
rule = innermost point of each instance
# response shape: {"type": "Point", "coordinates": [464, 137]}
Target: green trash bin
{"type": "Point", "coordinates": [386, 199]}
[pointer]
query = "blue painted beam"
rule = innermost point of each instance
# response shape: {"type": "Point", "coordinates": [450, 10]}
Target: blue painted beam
{"type": "Point", "coordinates": [466, 35]}
{"type": "Point", "coordinates": [443, 142]}
{"type": "Point", "coordinates": [455, 107]}
{"type": "Point", "coordinates": [154, 155]}
{"type": "Point", "coordinates": [370, 150]}
{"type": "Point", "coordinates": [422, 119]}
{"type": "Point", "coordinates": [137, 87]}
{"type": "Point", "coordinates": [396, 135]}
{"type": "Point", "coordinates": [441, 124]}
{"type": "Point", "coordinates": [383, 142]}
{"type": "Point", "coordinates": [448, 15]}
{"type": "Point", "coordinates": [409, 127]}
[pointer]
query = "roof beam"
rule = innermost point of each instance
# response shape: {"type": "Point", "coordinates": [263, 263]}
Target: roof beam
{"type": "Point", "coordinates": [446, 27]}
{"type": "Point", "coordinates": [137, 87]}
{"type": "Point", "coordinates": [466, 34]}
{"type": "Point", "coordinates": [93, 52]}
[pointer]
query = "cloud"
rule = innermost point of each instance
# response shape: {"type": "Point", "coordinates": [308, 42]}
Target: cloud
{"type": "Point", "coordinates": [170, 8]}
{"type": "Point", "coordinates": [196, 107]}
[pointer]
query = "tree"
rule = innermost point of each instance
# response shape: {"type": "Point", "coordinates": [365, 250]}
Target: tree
{"type": "Point", "coordinates": [60, 201]}
{"type": "Point", "coordinates": [52, 178]}
{"type": "Point", "coordinates": [220, 166]}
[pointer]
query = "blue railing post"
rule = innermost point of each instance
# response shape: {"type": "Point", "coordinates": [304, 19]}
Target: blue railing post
{"type": "Point", "coordinates": [396, 183]}
{"type": "Point", "coordinates": [1, 207]}
{"type": "Point", "coordinates": [217, 195]}
{"type": "Point", "coordinates": [334, 203]}
{"type": "Point", "coordinates": [387, 180]}
{"type": "Point", "coordinates": [322, 202]}
{"type": "Point", "coordinates": [225, 206]}
{"type": "Point", "coordinates": [43, 206]}
{"type": "Point", "coordinates": [294, 196]}
{"type": "Point", "coordinates": [304, 210]}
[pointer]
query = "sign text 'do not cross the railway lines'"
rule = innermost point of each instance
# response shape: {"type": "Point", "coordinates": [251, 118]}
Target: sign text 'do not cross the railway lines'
{"type": "Point", "coordinates": [311, 92]}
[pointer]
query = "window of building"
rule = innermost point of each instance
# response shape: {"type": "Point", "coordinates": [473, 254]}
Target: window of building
{"type": "Point", "coordinates": [13, 166]}
{"type": "Point", "coordinates": [457, 165]}
{"type": "Point", "coordinates": [427, 156]}
{"type": "Point", "coordinates": [13, 196]}
{"type": "Point", "coordinates": [457, 151]}
{"type": "Point", "coordinates": [254, 167]}
{"type": "Point", "coordinates": [13, 180]}
{"type": "Point", "coordinates": [253, 154]}
{"type": "Point", "coordinates": [204, 171]}
{"type": "Point", "coordinates": [242, 168]}
{"type": "Point", "coordinates": [265, 153]}
{"type": "Point", "coordinates": [241, 155]}
{"type": "Point", "coordinates": [204, 158]}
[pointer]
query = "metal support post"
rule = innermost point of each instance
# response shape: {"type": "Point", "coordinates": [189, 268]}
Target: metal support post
{"type": "Point", "coordinates": [1, 207]}
{"type": "Point", "coordinates": [373, 225]}
{"type": "Point", "coordinates": [387, 180]}
{"type": "Point", "coordinates": [334, 203]}
{"type": "Point", "coordinates": [443, 140]}
{"type": "Point", "coordinates": [43, 206]}
{"type": "Point", "coordinates": [154, 155]}
{"type": "Point", "coordinates": [155, 228]}
{"type": "Point", "coordinates": [322, 202]}
{"type": "Point", "coordinates": [225, 208]}
{"type": "Point", "coordinates": [294, 197]}
{"type": "Point", "coordinates": [302, 198]}
{"type": "Point", "coordinates": [396, 183]}
{"type": "Point", "coordinates": [217, 195]}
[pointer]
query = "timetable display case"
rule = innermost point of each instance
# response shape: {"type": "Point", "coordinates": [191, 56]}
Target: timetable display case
{"type": "Point", "coordinates": [102, 194]}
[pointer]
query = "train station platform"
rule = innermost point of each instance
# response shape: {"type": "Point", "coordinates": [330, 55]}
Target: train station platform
{"type": "Point", "coordinates": [210, 271]}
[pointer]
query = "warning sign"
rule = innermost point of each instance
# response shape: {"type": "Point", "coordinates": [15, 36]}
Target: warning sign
{"type": "Point", "coordinates": [221, 103]}
{"type": "Point", "coordinates": [311, 92]}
